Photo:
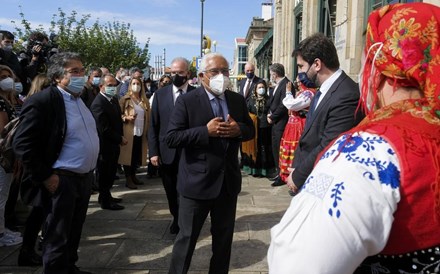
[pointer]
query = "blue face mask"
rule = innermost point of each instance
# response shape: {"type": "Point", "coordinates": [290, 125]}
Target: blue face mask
{"type": "Point", "coordinates": [95, 81]}
{"type": "Point", "coordinates": [310, 83]}
{"type": "Point", "coordinates": [110, 91]}
{"type": "Point", "coordinates": [250, 75]}
{"type": "Point", "coordinates": [76, 84]}
{"type": "Point", "coordinates": [18, 87]}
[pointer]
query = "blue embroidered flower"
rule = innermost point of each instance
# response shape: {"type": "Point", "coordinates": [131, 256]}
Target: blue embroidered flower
{"type": "Point", "coordinates": [337, 193]}
{"type": "Point", "coordinates": [351, 145]}
{"type": "Point", "coordinates": [390, 176]}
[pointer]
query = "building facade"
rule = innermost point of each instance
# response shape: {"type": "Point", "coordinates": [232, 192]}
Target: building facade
{"type": "Point", "coordinates": [344, 21]}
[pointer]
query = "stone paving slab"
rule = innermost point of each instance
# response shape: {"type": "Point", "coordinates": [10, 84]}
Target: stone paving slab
{"type": "Point", "coordinates": [136, 240]}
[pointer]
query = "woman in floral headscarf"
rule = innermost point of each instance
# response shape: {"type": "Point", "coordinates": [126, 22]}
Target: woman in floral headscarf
{"type": "Point", "coordinates": [372, 202]}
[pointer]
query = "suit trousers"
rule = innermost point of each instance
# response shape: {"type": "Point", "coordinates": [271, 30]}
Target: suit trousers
{"type": "Point", "coordinates": [192, 216]}
{"type": "Point", "coordinates": [67, 209]}
{"type": "Point", "coordinates": [107, 167]}
{"type": "Point", "coordinates": [168, 173]}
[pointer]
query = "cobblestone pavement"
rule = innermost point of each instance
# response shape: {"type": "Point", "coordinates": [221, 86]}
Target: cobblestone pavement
{"type": "Point", "coordinates": [137, 240]}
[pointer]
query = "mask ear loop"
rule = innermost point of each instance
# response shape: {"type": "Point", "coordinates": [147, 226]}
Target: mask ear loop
{"type": "Point", "coordinates": [370, 100]}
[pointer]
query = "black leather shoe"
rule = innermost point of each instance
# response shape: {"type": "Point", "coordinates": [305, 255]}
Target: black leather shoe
{"type": "Point", "coordinates": [116, 200]}
{"type": "Point", "coordinates": [111, 206]}
{"type": "Point", "coordinates": [274, 178]}
{"type": "Point", "coordinates": [278, 182]}
{"type": "Point", "coordinates": [29, 259]}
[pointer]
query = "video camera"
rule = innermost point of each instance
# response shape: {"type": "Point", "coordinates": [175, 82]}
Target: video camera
{"type": "Point", "coordinates": [32, 45]}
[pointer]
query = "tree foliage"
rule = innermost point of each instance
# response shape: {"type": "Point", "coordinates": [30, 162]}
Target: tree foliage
{"type": "Point", "coordinates": [111, 45]}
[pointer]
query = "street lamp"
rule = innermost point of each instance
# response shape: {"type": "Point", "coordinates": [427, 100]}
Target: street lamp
{"type": "Point", "coordinates": [201, 30]}
{"type": "Point", "coordinates": [215, 45]}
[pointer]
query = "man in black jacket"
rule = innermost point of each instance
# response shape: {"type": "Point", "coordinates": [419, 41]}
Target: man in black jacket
{"type": "Point", "coordinates": [58, 145]}
{"type": "Point", "coordinates": [162, 156]}
{"type": "Point", "coordinates": [208, 124]}
{"type": "Point", "coordinates": [332, 110]}
{"type": "Point", "coordinates": [107, 113]}
{"type": "Point", "coordinates": [278, 114]}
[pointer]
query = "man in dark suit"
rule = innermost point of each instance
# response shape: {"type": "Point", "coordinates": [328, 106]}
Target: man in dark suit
{"type": "Point", "coordinates": [332, 110]}
{"type": "Point", "coordinates": [58, 144]}
{"type": "Point", "coordinates": [208, 125]}
{"type": "Point", "coordinates": [247, 84]}
{"type": "Point", "coordinates": [167, 159]}
{"type": "Point", "coordinates": [107, 112]}
{"type": "Point", "coordinates": [278, 115]}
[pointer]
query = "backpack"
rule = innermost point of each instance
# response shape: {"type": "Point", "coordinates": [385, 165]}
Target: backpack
{"type": "Point", "coordinates": [7, 156]}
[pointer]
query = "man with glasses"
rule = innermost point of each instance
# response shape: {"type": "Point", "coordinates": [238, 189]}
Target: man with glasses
{"type": "Point", "coordinates": [167, 159]}
{"type": "Point", "coordinates": [58, 145]}
{"type": "Point", "coordinates": [208, 125]}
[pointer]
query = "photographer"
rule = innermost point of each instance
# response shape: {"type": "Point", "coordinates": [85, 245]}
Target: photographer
{"type": "Point", "coordinates": [37, 51]}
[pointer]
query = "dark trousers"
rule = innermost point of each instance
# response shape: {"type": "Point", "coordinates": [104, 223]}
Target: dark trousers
{"type": "Point", "coordinates": [67, 209]}
{"type": "Point", "coordinates": [32, 227]}
{"type": "Point", "coordinates": [168, 174]}
{"type": "Point", "coordinates": [106, 168]}
{"type": "Point", "coordinates": [276, 140]}
{"type": "Point", "coordinates": [135, 157]}
{"type": "Point", "coordinates": [192, 216]}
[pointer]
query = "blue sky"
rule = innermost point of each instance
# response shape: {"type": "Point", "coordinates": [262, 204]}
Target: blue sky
{"type": "Point", "coordinates": [170, 24]}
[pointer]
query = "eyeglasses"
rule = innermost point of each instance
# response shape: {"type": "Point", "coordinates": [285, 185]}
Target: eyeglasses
{"type": "Point", "coordinates": [76, 71]}
{"type": "Point", "coordinates": [217, 71]}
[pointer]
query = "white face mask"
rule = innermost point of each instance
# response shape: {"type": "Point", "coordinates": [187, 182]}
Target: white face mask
{"type": "Point", "coordinates": [261, 91]}
{"type": "Point", "coordinates": [7, 84]}
{"type": "Point", "coordinates": [379, 46]}
{"type": "Point", "coordinates": [219, 84]}
{"type": "Point", "coordinates": [135, 88]}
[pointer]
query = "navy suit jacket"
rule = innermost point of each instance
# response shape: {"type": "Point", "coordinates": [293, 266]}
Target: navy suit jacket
{"type": "Point", "coordinates": [163, 104]}
{"type": "Point", "coordinates": [254, 82]}
{"type": "Point", "coordinates": [335, 114]}
{"type": "Point", "coordinates": [205, 164]}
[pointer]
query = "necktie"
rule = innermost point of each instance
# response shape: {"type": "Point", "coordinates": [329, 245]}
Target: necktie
{"type": "Point", "coordinates": [312, 107]}
{"type": "Point", "coordinates": [179, 92]}
{"type": "Point", "coordinates": [219, 113]}
{"type": "Point", "coordinates": [246, 88]}
{"type": "Point", "coordinates": [218, 108]}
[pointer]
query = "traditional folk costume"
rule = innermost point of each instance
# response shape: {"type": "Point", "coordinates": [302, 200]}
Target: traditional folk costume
{"type": "Point", "coordinates": [372, 202]}
{"type": "Point", "coordinates": [297, 107]}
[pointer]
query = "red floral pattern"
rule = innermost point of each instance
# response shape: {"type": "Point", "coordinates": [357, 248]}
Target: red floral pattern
{"type": "Point", "coordinates": [410, 53]}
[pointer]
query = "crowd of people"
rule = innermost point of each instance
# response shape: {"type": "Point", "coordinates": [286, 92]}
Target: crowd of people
{"type": "Point", "coordinates": [350, 154]}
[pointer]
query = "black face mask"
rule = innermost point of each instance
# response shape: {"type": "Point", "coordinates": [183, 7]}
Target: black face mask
{"type": "Point", "coordinates": [304, 78]}
{"type": "Point", "coordinates": [178, 80]}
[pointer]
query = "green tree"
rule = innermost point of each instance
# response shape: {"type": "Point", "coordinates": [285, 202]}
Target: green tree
{"type": "Point", "coordinates": [111, 45]}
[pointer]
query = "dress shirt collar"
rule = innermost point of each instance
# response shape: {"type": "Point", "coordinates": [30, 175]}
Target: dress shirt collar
{"type": "Point", "coordinates": [106, 97]}
{"type": "Point", "coordinates": [222, 97]}
{"type": "Point", "coordinates": [67, 94]}
{"type": "Point", "coordinates": [183, 88]}
{"type": "Point", "coordinates": [329, 82]}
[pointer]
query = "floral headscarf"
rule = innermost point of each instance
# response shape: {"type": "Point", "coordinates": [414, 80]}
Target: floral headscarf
{"type": "Point", "coordinates": [402, 44]}
{"type": "Point", "coordinates": [402, 47]}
